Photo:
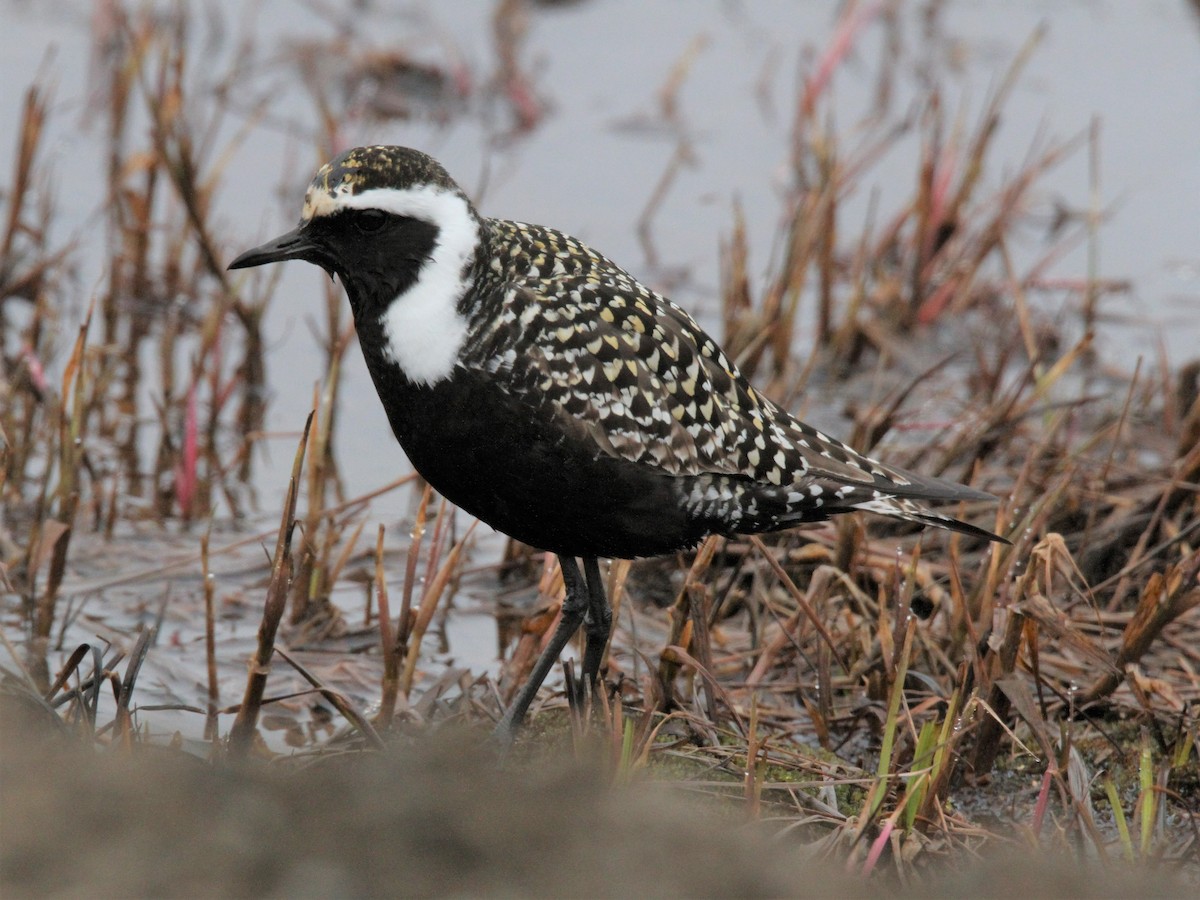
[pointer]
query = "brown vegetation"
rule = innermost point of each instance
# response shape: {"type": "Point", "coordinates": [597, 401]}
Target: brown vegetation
{"type": "Point", "coordinates": [856, 686]}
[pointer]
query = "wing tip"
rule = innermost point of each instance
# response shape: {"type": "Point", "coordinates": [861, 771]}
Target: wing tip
{"type": "Point", "coordinates": [957, 525]}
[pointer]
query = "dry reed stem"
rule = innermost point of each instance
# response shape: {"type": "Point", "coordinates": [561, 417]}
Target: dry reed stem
{"type": "Point", "coordinates": [680, 635]}
{"type": "Point", "coordinates": [390, 647]}
{"type": "Point", "coordinates": [33, 121]}
{"type": "Point", "coordinates": [797, 595]}
{"type": "Point", "coordinates": [210, 641]}
{"type": "Point", "coordinates": [241, 735]}
{"type": "Point", "coordinates": [434, 589]}
{"type": "Point", "coordinates": [123, 725]}
{"type": "Point", "coordinates": [1164, 599]}
{"type": "Point", "coordinates": [340, 703]}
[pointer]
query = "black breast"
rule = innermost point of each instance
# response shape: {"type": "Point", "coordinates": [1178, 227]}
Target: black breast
{"type": "Point", "coordinates": [510, 466]}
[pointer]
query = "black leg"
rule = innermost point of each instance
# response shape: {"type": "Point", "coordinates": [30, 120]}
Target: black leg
{"type": "Point", "coordinates": [576, 606]}
{"type": "Point", "coordinates": [597, 625]}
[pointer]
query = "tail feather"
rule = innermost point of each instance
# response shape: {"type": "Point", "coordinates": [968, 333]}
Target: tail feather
{"type": "Point", "coordinates": [821, 499]}
{"type": "Point", "coordinates": [911, 511]}
{"type": "Point", "coordinates": [839, 479]}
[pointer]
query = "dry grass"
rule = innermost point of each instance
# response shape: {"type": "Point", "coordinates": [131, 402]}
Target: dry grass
{"type": "Point", "coordinates": [856, 684]}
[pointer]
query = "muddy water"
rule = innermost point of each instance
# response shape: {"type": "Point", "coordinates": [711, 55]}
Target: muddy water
{"type": "Point", "coordinates": [591, 166]}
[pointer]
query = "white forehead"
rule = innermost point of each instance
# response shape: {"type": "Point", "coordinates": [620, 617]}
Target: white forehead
{"type": "Point", "coordinates": [429, 202]}
{"type": "Point", "coordinates": [422, 327]}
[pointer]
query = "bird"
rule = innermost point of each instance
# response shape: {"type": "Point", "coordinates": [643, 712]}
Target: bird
{"type": "Point", "coordinates": [543, 389]}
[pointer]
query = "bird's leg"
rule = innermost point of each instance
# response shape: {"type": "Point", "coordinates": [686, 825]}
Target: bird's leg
{"type": "Point", "coordinates": [575, 606]}
{"type": "Point", "coordinates": [597, 625]}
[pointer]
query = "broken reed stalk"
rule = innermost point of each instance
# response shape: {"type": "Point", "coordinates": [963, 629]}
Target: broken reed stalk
{"type": "Point", "coordinates": [434, 589]}
{"type": "Point", "coordinates": [396, 649]}
{"type": "Point", "coordinates": [680, 657]}
{"type": "Point", "coordinates": [752, 780]}
{"type": "Point", "coordinates": [55, 535]}
{"type": "Point", "coordinates": [618, 573]}
{"type": "Point", "coordinates": [344, 555]}
{"type": "Point", "coordinates": [681, 620]}
{"type": "Point", "coordinates": [303, 579]}
{"type": "Point", "coordinates": [322, 533]}
{"type": "Point", "coordinates": [536, 628]}
{"type": "Point", "coordinates": [340, 703]}
{"type": "Point", "coordinates": [790, 586]}
{"type": "Point", "coordinates": [91, 703]}
{"type": "Point", "coordinates": [33, 121]}
{"type": "Point", "coordinates": [787, 633]}
{"type": "Point", "coordinates": [389, 647]}
{"type": "Point", "coordinates": [210, 642]}
{"type": "Point", "coordinates": [123, 725]}
{"type": "Point", "coordinates": [1163, 600]}
{"type": "Point", "coordinates": [737, 307]}
{"type": "Point", "coordinates": [699, 597]}
{"type": "Point", "coordinates": [241, 735]}
{"type": "Point", "coordinates": [65, 673]}
{"type": "Point", "coordinates": [995, 666]}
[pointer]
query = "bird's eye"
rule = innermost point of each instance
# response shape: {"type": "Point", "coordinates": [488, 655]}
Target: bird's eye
{"type": "Point", "coordinates": [370, 219]}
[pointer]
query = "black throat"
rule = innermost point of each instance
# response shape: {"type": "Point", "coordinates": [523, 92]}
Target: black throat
{"type": "Point", "coordinates": [377, 268]}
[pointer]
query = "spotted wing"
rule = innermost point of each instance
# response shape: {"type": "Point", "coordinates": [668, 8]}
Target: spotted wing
{"type": "Point", "coordinates": [626, 370]}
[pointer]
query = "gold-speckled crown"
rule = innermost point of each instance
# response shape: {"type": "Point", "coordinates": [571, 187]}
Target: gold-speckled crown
{"type": "Point", "coordinates": [378, 166]}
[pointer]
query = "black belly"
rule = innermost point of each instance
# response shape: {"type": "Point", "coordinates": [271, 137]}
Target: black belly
{"type": "Point", "coordinates": [507, 464]}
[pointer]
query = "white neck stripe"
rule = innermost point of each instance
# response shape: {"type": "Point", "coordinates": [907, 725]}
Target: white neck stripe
{"type": "Point", "coordinates": [422, 326]}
